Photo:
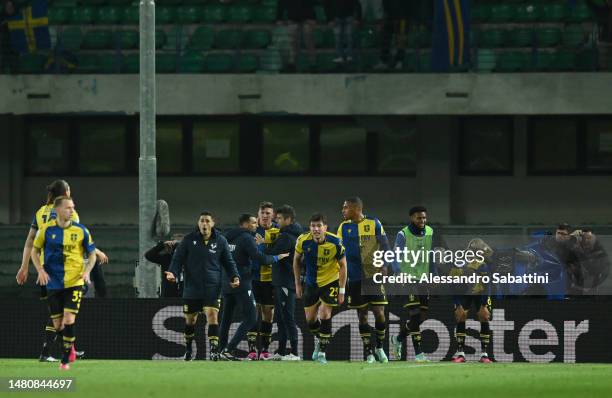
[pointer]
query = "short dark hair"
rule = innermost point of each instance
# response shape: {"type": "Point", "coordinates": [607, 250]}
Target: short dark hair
{"type": "Point", "coordinates": [60, 199]}
{"type": "Point", "coordinates": [417, 209]}
{"type": "Point", "coordinates": [318, 217]}
{"type": "Point", "coordinates": [355, 200]}
{"type": "Point", "coordinates": [56, 189]}
{"type": "Point", "coordinates": [266, 205]}
{"type": "Point", "coordinates": [286, 211]}
{"type": "Point", "coordinates": [245, 217]}
{"type": "Point", "coordinates": [207, 213]}
{"type": "Point", "coordinates": [564, 227]}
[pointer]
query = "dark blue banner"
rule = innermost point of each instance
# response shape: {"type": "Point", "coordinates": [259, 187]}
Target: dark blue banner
{"type": "Point", "coordinates": [451, 36]}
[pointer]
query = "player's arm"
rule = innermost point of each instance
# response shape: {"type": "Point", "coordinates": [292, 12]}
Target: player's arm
{"type": "Point", "coordinates": [400, 243]}
{"type": "Point", "coordinates": [255, 255]}
{"type": "Point", "coordinates": [39, 243]}
{"type": "Point", "coordinates": [383, 244]}
{"type": "Point", "coordinates": [101, 257]}
{"type": "Point", "coordinates": [91, 250]}
{"type": "Point", "coordinates": [177, 261]}
{"type": "Point", "coordinates": [227, 261]}
{"type": "Point", "coordinates": [342, 279]}
{"type": "Point", "coordinates": [22, 273]}
{"type": "Point", "coordinates": [297, 271]}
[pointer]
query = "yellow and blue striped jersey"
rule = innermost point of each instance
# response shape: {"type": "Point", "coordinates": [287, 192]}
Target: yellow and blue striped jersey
{"type": "Point", "coordinates": [47, 213]}
{"type": "Point", "coordinates": [263, 272]}
{"type": "Point", "coordinates": [320, 259]}
{"type": "Point", "coordinates": [361, 240]}
{"type": "Point", "coordinates": [64, 251]}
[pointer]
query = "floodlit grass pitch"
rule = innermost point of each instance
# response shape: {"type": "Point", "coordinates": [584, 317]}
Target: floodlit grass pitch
{"type": "Point", "coordinates": [177, 379]}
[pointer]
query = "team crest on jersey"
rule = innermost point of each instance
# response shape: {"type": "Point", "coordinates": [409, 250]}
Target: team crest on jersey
{"type": "Point", "coordinates": [213, 246]}
{"type": "Point", "coordinates": [53, 236]}
{"type": "Point", "coordinates": [366, 228]}
{"type": "Point", "coordinates": [74, 237]}
{"type": "Point", "coordinates": [273, 236]}
{"type": "Point", "coordinates": [194, 242]}
{"type": "Point", "coordinates": [326, 252]}
{"type": "Point", "coordinates": [349, 230]}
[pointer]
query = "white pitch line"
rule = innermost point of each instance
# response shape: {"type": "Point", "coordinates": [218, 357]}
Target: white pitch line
{"type": "Point", "coordinates": [411, 366]}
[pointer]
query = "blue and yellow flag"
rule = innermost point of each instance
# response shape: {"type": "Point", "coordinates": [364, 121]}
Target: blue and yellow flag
{"type": "Point", "coordinates": [451, 35]}
{"type": "Point", "coordinates": [30, 28]}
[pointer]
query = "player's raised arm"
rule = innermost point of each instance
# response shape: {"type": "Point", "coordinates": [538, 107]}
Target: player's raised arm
{"type": "Point", "coordinates": [297, 271]}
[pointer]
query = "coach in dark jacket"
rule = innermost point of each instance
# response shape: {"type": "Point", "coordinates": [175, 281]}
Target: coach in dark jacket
{"type": "Point", "coordinates": [245, 252]}
{"type": "Point", "coordinates": [161, 254]}
{"type": "Point", "coordinates": [284, 282]}
{"type": "Point", "coordinates": [202, 254]}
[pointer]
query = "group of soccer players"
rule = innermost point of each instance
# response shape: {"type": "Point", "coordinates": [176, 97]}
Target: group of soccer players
{"type": "Point", "coordinates": [263, 266]}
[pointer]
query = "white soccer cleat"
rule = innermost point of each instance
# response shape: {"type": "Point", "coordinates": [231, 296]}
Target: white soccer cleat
{"type": "Point", "coordinates": [396, 347]}
{"type": "Point", "coordinates": [317, 347]}
{"type": "Point", "coordinates": [380, 354]}
{"type": "Point", "coordinates": [291, 357]}
{"type": "Point", "coordinates": [321, 358]}
{"type": "Point", "coordinates": [370, 358]}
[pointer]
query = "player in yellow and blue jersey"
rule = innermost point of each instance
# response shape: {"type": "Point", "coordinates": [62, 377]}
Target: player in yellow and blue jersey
{"type": "Point", "coordinates": [362, 236]}
{"type": "Point", "coordinates": [63, 244]}
{"type": "Point", "coordinates": [323, 257]}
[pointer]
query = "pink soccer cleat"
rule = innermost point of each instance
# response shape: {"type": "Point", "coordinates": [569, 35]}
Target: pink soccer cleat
{"type": "Point", "coordinates": [73, 356]}
{"type": "Point", "coordinates": [485, 359]}
{"type": "Point", "coordinates": [265, 356]}
{"type": "Point", "coordinates": [459, 359]}
{"type": "Point", "coordinates": [252, 356]}
{"type": "Point", "coordinates": [64, 366]}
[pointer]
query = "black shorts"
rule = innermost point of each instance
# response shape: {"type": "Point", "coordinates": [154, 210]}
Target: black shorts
{"type": "Point", "coordinates": [195, 306]}
{"type": "Point", "coordinates": [362, 293]}
{"type": "Point", "coordinates": [64, 300]}
{"type": "Point", "coordinates": [43, 292]}
{"type": "Point", "coordinates": [473, 301]}
{"type": "Point", "coordinates": [327, 295]}
{"type": "Point", "coordinates": [264, 293]}
{"type": "Point", "coordinates": [418, 297]}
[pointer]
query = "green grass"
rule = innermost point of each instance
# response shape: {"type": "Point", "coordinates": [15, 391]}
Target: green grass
{"type": "Point", "coordinates": [176, 379]}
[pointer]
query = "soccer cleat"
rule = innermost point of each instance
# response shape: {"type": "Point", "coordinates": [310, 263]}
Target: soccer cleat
{"type": "Point", "coordinates": [321, 358]}
{"type": "Point", "coordinates": [317, 347]}
{"type": "Point", "coordinates": [188, 356]}
{"type": "Point", "coordinates": [485, 359]}
{"type": "Point", "coordinates": [64, 366]}
{"type": "Point", "coordinates": [277, 357]}
{"type": "Point", "coordinates": [370, 358]}
{"type": "Point", "coordinates": [214, 356]}
{"type": "Point", "coordinates": [228, 356]}
{"type": "Point", "coordinates": [396, 347]}
{"type": "Point", "coordinates": [458, 359]}
{"type": "Point", "coordinates": [380, 354]}
{"type": "Point", "coordinates": [47, 359]}
{"type": "Point", "coordinates": [291, 357]}
{"type": "Point", "coordinates": [265, 356]}
{"type": "Point", "coordinates": [72, 357]}
{"type": "Point", "coordinates": [80, 354]}
{"type": "Point", "coordinates": [252, 356]}
{"type": "Point", "coordinates": [421, 358]}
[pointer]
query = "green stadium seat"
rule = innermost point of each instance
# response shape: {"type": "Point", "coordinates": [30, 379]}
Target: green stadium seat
{"type": "Point", "coordinates": [97, 39]}
{"type": "Point", "coordinates": [425, 62]}
{"type": "Point", "coordinates": [548, 37]}
{"type": "Point", "coordinates": [171, 2]}
{"type": "Point", "coordinates": [269, 3]}
{"type": "Point", "coordinates": [165, 63]}
{"type": "Point", "coordinates": [480, 13]}
{"type": "Point", "coordinates": [247, 63]}
{"type": "Point", "coordinates": [88, 63]}
{"type": "Point", "coordinates": [491, 38]}
{"type": "Point", "coordinates": [323, 38]}
{"type": "Point", "coordinates": [240, 14]}
{"type": "Point", "coordinates": [110, 15]}
{"type": "Point", "coordinates": [202, 39]}
{"type": "Point", "coordinates": [126, 39]}
{"type": "Point", "coordinates": [419, 38]}
{"type": "Point", "coordinates": [132, 63]}
{"type": "Point", "coordinates": [228, 39]}
{"type": "Point", "coordinates": [513, 62]}
{"type": "Point", "coordinates": [271, 61]}
{"type": "Point", "coordinates": [325, 63]}
{"type": "Point", "coordinates": [111, 63]}
{"type": "Point", "coordinates": [486, 60]}
{"type": "Point", "coordinates": [119, 2]}
{"type": "Point", "coordinates": [264, 14]}
{"type": "Point", "coordinates": [59, 15]}
{"type": "Point", "coordinates": [555, 12]}
{"type": "Point", "coordinates": [320, 15]}
{"type": "Point", "coordinates": [131, 15]}
{"type": "Point", "coordinates": [165, 15]}
{"type": "Point", "coordinates": [545, 61]}
{"type": "Point", "coordinates": [32, 63]}
{"type": "Point", "coordinates": [366, 62]}
{"type": "Point", "coordinates": [71, 38]}
{"type": "Point", "coordinates": [160, 38]}
{"type": "Point", "coordinates": [586, 60]}
{"type": "Point", "coordinates": [581, 13]}
{"type": "Point", "coordinates": [573, 36]}
{"type": "Point", "coordinates": [410, 62]}
{"type": "Point", "coordinates": [566, 60]}
{"type": "Point", "coordinates": [368, 38]}
{"type": "Point", "coordinates": [83, 15]}
{"type": "Point", "coordinates": [528, 13]}
{"type": "Point", "coordinates": [520, 38]}
{"type": "Point", "coordinates": [92, 2]}
{"type": "Point", "coordinates": [215, 13]}
{"type": "Point", "coordinates": [192, 62]}
{"type": "Point", "coordinates": [259, 38]}
{"type": "Point", "coordinates": [219, 63]}
{"type": "Point", "coordinates": [502, 13]}
{"type": "Point", "coordinates": [189, 14]}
